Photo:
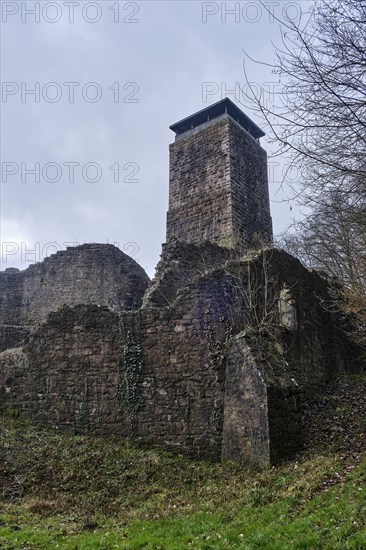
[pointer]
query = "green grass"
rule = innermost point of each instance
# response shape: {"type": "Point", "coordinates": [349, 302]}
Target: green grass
{"type": "Point", "coordinates": [74, 492]}
{"type": "Point", "coordinates": [333, 520]}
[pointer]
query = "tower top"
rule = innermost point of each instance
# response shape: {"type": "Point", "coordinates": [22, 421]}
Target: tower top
{"type": "Point", "coordinates": [214, 111]}
{"type": "Point", "coordinates": [218, 184]}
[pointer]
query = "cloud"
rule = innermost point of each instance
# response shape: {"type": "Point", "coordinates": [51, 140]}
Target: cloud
{"type": "Point", "coordinates": [168, 54]}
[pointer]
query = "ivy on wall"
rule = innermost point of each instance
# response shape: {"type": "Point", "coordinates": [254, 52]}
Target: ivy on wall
{"type": "Point", "coordinates": [130, 371]}
{"type": "Point", "coordinates": [82, 418]}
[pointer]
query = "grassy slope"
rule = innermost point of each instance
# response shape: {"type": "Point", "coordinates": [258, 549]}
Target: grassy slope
{"type": "Point", "coordinates": [63, 491]}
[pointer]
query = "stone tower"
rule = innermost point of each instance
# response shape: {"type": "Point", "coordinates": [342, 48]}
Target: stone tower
{"type": "Point", "coordinates": [218, 180]}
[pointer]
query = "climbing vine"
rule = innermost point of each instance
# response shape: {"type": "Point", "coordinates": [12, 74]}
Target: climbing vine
{"type": "Point", "coordinates": [83, 421]}
{"type": "Point", "coordinates": [217, 358]}
{"type": "Point", "coordinates": [130, 371]}
{"type": "Point", "coordinates": [216, 347]}
{"type": "Point", "coordinates": [217, 416]}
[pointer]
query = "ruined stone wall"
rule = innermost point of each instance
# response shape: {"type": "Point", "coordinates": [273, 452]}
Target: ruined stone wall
{"type": "Point", "coordinates": [69, 372]}
{"type": "Point", "coordinates": [218, 187]}
{"type": "Point", "coordinates": [317, 347]}
{"type": "Point", "coordinates": [182, 385]}
{"type": "Point", "coordinates": [155, 375]}
{"type": "Point", "coordinates": [273, 366]}
{"type": "Point", "coordinates": [246, 437]}
{"type": "Point", "coordinates": [11, 336]}
{"type": "Point", "coordinates": [181, 263]}
{"type": "Point", "coordinates": [11, 297]}
{"type": "Point", "coordinates": [197, 376]}
{"type": "Point", "coordinates": [90, 273]}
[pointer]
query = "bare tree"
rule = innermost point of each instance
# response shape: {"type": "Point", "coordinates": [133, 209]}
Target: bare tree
{"type": "Point", "coordinates": [320, 122]}
{"type": "Point", "coordinates": [332, 239]}
{"type": "Point", "coordinates": [320, 118]}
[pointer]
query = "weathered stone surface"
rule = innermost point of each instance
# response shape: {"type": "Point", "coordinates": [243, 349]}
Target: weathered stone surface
{"type": "Point", "coordinates": [90, 273]}
{"type": "Point", "coordinates": [219, 187]}
{"type": "Point", "coordinates": [227, 342]}
{"type": "Point", "coordinates": [181, 264]}
{"type": "Point", "coordinates": [192, 376]}
{"type": "Point", "coordinates": [11, 361]}
{"type": "Point", "coordinates": [245, 429]}
{"type": "Point", "coordinates": [12, 336]}
{"type": "Point", "coordinates": [70, 376]}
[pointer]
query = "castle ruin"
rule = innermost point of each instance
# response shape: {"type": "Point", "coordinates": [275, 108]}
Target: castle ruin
{"type": "Point", "coordinates": [211, 358]}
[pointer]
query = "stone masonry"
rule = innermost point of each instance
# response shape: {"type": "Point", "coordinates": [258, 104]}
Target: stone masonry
{"type": "Point", "coordinates": [90, 273]}
{"type": "Point", "coordinates": [218, 183]}
{"type": "Point", "coordinates": [215, 356]}
{"type": "Point", "coordinates": [203, 375]}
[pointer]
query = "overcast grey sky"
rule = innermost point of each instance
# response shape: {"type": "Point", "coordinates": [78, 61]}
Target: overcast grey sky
{"type": "Point", "coordinates": [133, 69]}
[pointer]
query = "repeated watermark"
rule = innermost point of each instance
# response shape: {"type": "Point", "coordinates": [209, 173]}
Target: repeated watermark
{"type": "Point", "coordinates": [69, 92]}
{"type": "Point", "coordinates": [265, 97]}
{"type": "Point", "coordinates": [69, 172]}
{"type": "Point", "coordinates": [27, 252]}
{"type": "Point", "coordinates": [251, 11]}
{"type": "Point", "coordinates": [93, 172]}
{"type": "Point", "coordinates": [70, 12]}
{"type": "Point", "coordinates": [243, 93]}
